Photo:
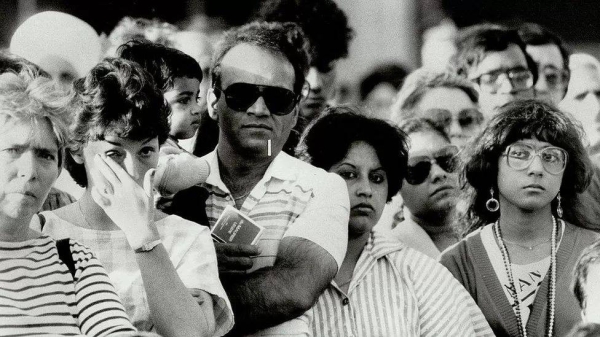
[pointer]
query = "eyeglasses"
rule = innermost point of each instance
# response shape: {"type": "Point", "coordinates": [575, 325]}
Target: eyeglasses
{"type": "Point", "coordinates": [520, 79]}
{"type": "Point", "coordinates": [554, 77]}
{"type": "Point", "coordinates": [241, 96]}
{"type": "Point", "coordinates": [520, 156]}
{"type": "Point", "coordinates": [443, 118]}
{"type": "Point", "coordinates": [419, 167]}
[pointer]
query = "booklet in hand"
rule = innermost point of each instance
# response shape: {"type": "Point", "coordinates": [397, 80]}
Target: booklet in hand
{"type": "Point", "coordinates": [235, 227]}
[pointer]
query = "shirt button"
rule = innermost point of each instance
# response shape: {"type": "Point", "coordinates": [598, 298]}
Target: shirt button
{"type": "Point", "coordinates": [345, 301]}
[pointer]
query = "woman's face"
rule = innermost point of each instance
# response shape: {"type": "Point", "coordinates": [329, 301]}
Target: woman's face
{"type": "Point", "coordinates": [532, 186]}
{"type": "Point", "coordinates": [136, 157]}
{"type": "Point", "coordinates": [436, 194]}
{"type": "Point", "coordinates": [367, 185]}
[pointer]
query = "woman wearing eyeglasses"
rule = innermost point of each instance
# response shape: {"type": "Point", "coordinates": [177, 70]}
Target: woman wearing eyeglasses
{"type": "Point", "coordinates": [383, 287]}
{"type": "Point", "coordinates": [429, 190]}
{"type": "Point", "coordinates": [524, 173]}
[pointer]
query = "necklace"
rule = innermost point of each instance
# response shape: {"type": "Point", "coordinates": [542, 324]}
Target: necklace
{"type": "Point", "coordinates": [525, 246]}
{"type": "Point", "coordinates": [551, 291]}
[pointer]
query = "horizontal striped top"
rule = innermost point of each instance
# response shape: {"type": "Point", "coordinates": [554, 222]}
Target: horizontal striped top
{"type": "Point", "coordinates": [398, 291]}
{"type": "Point", "coordinates": [38, 294]}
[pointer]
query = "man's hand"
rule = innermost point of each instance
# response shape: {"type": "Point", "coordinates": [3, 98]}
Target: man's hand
{"type": "Point", "coordinates": [235, 258]}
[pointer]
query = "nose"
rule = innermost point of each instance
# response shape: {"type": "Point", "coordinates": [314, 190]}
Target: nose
{"type": "Point", "coordinates": [314, 80]}
{"type": "Point", "coordinates": [363, 188]}
{"type": "Point", "coordinates": [259, 107]}
{"type": "Point", "coordinates": [133, 167]}
{"type": "Point", "coordinates": [196, 107]}
{"type": "Point", "coordinates": [536, 166]}
{"type": "Point", "coordinates": [454, 129]}
{"type": "Point", "coordinates": [505, 84]}
{"type": "Point", "coordinates": [28, 166]}
{"type": "Point", "coordinates": [437, 173]}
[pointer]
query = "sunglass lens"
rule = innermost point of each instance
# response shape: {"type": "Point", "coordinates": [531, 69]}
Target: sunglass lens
{"type": "Point", "coordinates": [241, 96]}
{"type": "Point", "coordinates": [416, 174]}
{"type": "Point", "coordinates": [280, 101]}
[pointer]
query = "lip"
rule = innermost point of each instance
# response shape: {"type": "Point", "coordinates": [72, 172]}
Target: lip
{"type": "Point", "coordinates": [534, 187]}
{"type": "Point", "coordinates": [363, 207]}
{"type": "Point", "coordinates": [26, 193]}
{"type": "Point", "coordinates": [442, 188]}
{"type": "Point", "coordinates": [257, 126]}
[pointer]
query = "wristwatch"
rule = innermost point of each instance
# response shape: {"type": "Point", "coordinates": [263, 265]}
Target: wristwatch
{"type": "Point", "coordinates": [146, 247]}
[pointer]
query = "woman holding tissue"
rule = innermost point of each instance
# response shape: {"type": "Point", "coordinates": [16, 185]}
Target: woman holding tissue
{"type": "Point", "coordinates": [164, 267]}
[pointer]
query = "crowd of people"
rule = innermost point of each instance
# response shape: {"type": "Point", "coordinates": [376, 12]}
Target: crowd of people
{"type": "Point", "coordinates": [455, 202]}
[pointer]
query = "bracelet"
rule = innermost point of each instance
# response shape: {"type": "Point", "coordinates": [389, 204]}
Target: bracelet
{"type": "Point", "coordinates": [146, 247]}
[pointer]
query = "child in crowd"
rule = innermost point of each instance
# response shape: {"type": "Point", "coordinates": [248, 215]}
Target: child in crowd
{"type": "Point", "coordinates": [588, 293]}
{"type": "Point", "coordinates": [178, 76]}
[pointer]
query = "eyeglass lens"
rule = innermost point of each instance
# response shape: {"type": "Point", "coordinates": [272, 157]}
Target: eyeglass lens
{"type": "Point", "coordinates": [241, 96]}
{"type": "Point", "coordinates": [420, 166]}
{"type": "Point", "coordinates": [520, 156]}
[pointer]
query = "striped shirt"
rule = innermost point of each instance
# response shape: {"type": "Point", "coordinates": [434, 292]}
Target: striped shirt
{"type": "Point", "coordinates": [38, 294]}
{"type": "Point", "coordinates": [190, 249]}
{"type": "Point", "coordinates": [398, 291]}
{"type": "Point", "coordinates": [293, 198]}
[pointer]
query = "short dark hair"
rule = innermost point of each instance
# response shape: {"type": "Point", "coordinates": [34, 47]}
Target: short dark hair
{"type": "Point", "coordinates": [533, 34]}
{"type": "Point", "coordinates": [518, 120]}
{"type": "Point", "coordinates": [473, 43]}
{"type": "Point", "coordinates": [282, 38]}
{"type": "Point", "coordinates": [164, 64]}
{"type": "Point", "coordinates": [116, 97]}
{"type": "Point", "coordinates": [328, 139]}
{"type": "Point", "coordinates": [420, 124]}
{"type": "Point", "coordinates": [589, 256]}
{"type": "Point", "coordinates": [390, 73]}
{"type": "Point", "coordinates": [323, 22]}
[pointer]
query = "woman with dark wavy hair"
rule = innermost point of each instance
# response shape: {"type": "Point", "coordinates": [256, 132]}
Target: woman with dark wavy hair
{"type": "Point", "coordinates": [390, 289]}
{"type": "Point", "coordinates": [524, 174]}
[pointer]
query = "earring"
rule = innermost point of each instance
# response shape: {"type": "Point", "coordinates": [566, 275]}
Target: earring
{"type": "Point", "coordinates": [559, 210]}
{"type": "Point", "coordinates": [492, 204]}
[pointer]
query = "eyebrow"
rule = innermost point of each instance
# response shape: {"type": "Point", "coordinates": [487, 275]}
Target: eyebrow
{"type": "Point", "coordinates": [121, 145]}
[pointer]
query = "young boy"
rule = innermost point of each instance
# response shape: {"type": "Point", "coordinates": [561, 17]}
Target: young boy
{"type": "Point", "coordinates": [588, 293]}
{"type": "Point", "coordinates": [178, 77]}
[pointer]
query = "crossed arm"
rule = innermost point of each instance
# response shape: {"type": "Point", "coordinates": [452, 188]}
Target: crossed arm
{"type": "Point", "coordinates": [273, 295]}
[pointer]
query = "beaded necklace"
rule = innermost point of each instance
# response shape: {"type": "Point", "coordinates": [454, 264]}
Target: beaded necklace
{"type": "Point", "coordinates": [551, 290]}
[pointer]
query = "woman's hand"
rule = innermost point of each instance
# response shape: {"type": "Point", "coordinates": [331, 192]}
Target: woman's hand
{"type": "Point", "coordinates": [129, 205]}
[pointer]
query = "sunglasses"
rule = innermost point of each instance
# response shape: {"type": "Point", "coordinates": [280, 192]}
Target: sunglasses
{"type": "Point", "coordinates": [520, 156]}
{"type": "Point", "coordinates": [443, 118]}
{"type": "Point", "coordinates": [419, 166]}
{"type": "Point", "coordinates": [241, 96]}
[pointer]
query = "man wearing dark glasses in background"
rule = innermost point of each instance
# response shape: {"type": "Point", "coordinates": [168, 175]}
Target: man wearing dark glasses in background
{"type": "Point", "coordinates": [494, 59]}
{"type": "Point", "coordinates": [429, 189]}
{"type": "Point", "coordinates": [257, 78]}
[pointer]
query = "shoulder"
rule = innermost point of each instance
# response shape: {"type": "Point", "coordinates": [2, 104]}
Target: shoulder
{"type": "Point", "coordinates": [457, 255]}
{"type": "Point", "coordinates": [176, 225]}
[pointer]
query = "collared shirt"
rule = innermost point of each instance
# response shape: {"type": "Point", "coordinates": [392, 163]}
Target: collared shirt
{"type": "Point", "coordinates": [398, 291]}
{"type": "Point", "coordinates": [293, 198]}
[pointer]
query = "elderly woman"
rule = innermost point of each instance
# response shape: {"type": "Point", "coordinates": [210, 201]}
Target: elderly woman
{"type": "Point", "coordinates": [164, 267]}
{"type": "Point", "coordinates": [448, 100]}
{"type": "Point", "coordinates": [525, 172]}
{"type": "Point", "coordinates": [46, 287]}
{"type": "Point", "coordinates": [383, 288]}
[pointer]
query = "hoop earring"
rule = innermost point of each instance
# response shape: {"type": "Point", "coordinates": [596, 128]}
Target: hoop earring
{"type": "Point", "coordinates": [559, 210]}
{"type": "Point", "coordinates": [492, 204]}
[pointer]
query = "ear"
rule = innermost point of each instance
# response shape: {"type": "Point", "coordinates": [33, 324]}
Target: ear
{"type": "Point", "coordinates": [211, 103]}
{"type": "Point", "coordinates": [77, 156]}
{"type": "Point", "coordinates": [296, 112]}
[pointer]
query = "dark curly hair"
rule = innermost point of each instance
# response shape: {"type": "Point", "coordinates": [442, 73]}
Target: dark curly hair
{"type": "Point", "coordinates": [282, 38]}
{"type": "Point", "coordinates": [589, 256]}
{"type": "Point", "coordinates": [163, 63]}
{"type": "Point", "coordinates": [473, 44]}
{"type": "Point", "coordinates": [328, 139]}
{"type": "Point", "coordinates": [523, 119]}
{"type": "Point", "coordinates": [116, 97]}
{"type": "Point", "coordinates": [533, 34]}
{"type": "Point", "coordinates": [323, 22]}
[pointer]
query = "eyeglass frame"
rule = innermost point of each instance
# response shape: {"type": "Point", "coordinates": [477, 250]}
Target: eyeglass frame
{"type": "Point", "coordinates": [536, 154]}
{"type": "Point", "coordinates": [432, 160]}
{"type": "Point", "coordinates": [509, 74]}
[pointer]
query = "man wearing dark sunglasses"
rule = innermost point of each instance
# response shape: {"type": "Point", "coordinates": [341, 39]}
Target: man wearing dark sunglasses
{"type": "Point", "coordinates": [494, 59]}
{"type": "Point", "coordinates": [257, 78]}
{"type": "Point", "coordinates": [429, 190]}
